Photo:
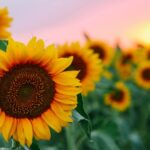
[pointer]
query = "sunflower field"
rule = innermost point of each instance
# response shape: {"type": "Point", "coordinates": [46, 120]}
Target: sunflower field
{"type": "Point", "coordinates": [72, 96]}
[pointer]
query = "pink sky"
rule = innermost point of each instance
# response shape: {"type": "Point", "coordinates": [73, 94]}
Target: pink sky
{"type": "Point", "coordinates": [60, 21]}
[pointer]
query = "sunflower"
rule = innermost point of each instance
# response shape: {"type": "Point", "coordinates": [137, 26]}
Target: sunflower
{"type": "Point", "coordinates": [86, 62]}
{"type": "Point", "coordinates": [119, 97]}
{"type": "Point", "coordinates": [5, 21]}
{"type": "Point", "coordinates": [36, 93]}
{"type": "Point", "coordinates": [142, 75]}
{"type": "Point", "coordinates": [104, 51]}
{"type": "Point", "coordinates": [124, 64]}
{"type": "Point", "coordinates": [128, 56]}
{"type": "Point", "coordinates": [145, 54]}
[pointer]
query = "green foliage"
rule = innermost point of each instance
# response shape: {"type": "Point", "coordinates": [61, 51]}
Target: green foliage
{"type": "Point", "coordinates": [3, 45]}
{"type": "Point", "coordinates": [81, 117]}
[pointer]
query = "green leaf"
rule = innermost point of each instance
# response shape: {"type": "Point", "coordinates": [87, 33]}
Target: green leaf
{"type": "Point", "coordinates": [136, 141]}
{"type": "Point", "coordinates": [82, 118]}
{"type": "Point", "coordinates": [34, 146]}
{"type": "Point", "coordinates": [3, 45]}
{"type": "Point", "coordinates": [80, 107]}
{"type": "Point", "coordinates": [103, 140]}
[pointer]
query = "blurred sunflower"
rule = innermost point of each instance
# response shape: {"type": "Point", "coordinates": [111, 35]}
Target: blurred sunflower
{"type": "Point", "coordinates": [119, 97]}
{"type": "Point", "coordinates": [84, 60]}
{"type": "Point", "coordinates": [104, 51]}
{"type": "Point", "coordinates": [142, 75]}
{"type": "Point", "coordinates": [128, 56]}
{"type": "Point", "coordinates": [124, 64]}
{"type": "Point", "coordinates": [5, 21]}
{"type": "Point", "coordinates": [145, 54]}
{"type": "Point", "coordinates": [35, 92]}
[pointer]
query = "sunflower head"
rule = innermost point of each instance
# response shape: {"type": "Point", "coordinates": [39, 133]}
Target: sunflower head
{"type": "Point", "coordinates": [125, 62]}
{"type": "Point", "coordinates": [119, 97]}
{"type": "Point", "coordinates": [36, 93]}
{"type": "Point", "coordinates": [142, 75]}
{"type": "Point", "coordinates": [85, 61]}
{"type": "Point", "coordinates": [104, 51]}
{"type": "Point", "coordinates": [145, 54]}
{"type": "Point", "coordinates": [128, 57]}
{"type": "Point", "coordinates": [5, 21]}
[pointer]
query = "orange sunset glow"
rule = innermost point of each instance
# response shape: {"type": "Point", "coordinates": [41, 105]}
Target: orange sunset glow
{"type": "Point", "coordinates": [141, 33]}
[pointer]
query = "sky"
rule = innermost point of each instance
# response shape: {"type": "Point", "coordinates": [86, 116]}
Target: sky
{"type": "Point", "coordinates": [60, 21]}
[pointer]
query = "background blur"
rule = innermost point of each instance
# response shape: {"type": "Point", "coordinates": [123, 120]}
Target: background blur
{"type": "Point", "coordinates": [66, 20]}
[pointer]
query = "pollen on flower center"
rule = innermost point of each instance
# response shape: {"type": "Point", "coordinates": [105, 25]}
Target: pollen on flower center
{"type": "Point", "coordinates": [99, 50]}
{"type": "Point", "coordinates": [26, 91]}
{"type": "Point", "coordinates": [146, 74]}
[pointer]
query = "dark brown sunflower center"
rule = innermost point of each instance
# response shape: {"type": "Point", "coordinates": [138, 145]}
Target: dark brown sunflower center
{"type": "Point", "coordinates": [126, 59]}
{"type": "Point", "coordinates": [78, 64]}
{"type": "Point", "coordinates": [26, 91]}
{"type": "Point", "coordinates": [117, 95]}
{"type": "Point", "coordinates": [146, 74]}
{"type": "Point", "coordinates": [99, 50]}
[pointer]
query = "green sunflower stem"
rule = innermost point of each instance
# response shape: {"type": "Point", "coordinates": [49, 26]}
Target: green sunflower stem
{"type": "Point", "coordinates": [70, 137]}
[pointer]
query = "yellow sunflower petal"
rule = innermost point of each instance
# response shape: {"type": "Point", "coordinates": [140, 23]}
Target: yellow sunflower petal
{"type": "Point", "coordinates": [14, 126]}
{"type": "Point", "coordinates": [40, 45]}
{"type": "Point", "coordinates": [51, 119]}
{"type": "Point", "coordinates": [15, 136]}
{"type": "Point", "coordinates": [60, 65]}
{"type": "Point", "coordinates": [5, 21]}
{"type": "Point", "coordinates": [16, 52]}
{"type": "Point", "coordinates": [63, 123]}
{"type": "Point", "coordinates": [69, 74]}
{"type": "Point", "coordinates": [32, 43]}
{"type": "Point", "coordinates": [41, 129]}
{"type": "Point", "coordinates": [3, 67]}
{"type": "Point", "coordinates": [50, 55]}
{"type": "Point", "coordinates": [67, 90]}
{"type": "Point", "coordinates": [20, 133]}
{"type": "Point", "coordinates": [7, 127]}
{"type": "Point", "coordinates": [2, 119]}
{"type": "Point", "coordinates": [57, 109]}
{"type": "Point", "coordinates": [61, 79]}
{"type": "Point", "coordinates": [66, 99]}
{"type": "Point", "coordinates": [4, 61]}
{"type": "Point", "coordinates": [68, 107]}
{"type": "Point", "coordinates": [28, 131]}
{"type": "Point", "coordinates": [62, 96]}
